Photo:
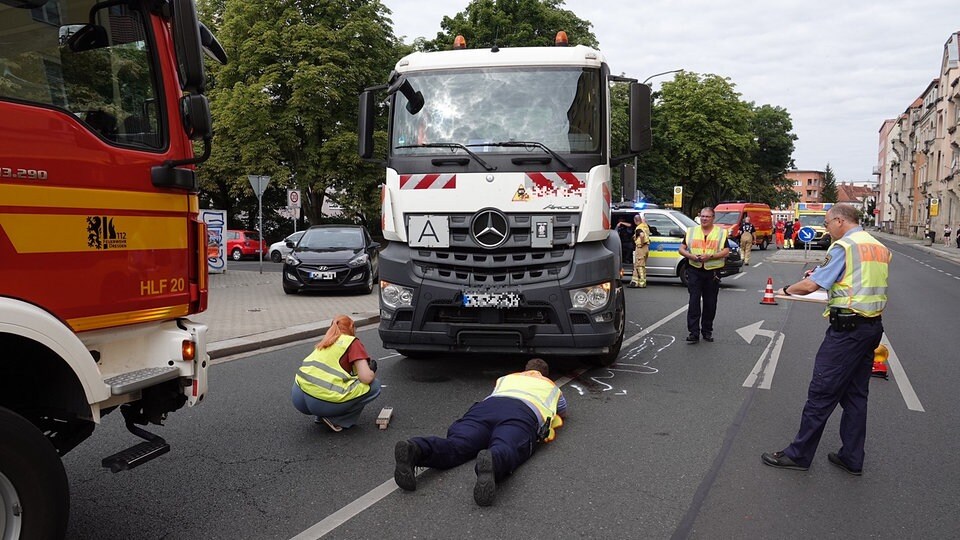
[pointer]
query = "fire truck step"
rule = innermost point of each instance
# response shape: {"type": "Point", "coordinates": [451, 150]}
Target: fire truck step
{"type": "Point", "coordinates": [142, 378]}
{"type": "Point", "coordinates": [137, 454]}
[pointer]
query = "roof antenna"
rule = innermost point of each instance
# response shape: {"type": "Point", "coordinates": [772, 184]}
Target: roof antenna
{"type": "Point", "coordinates": [496, 37]}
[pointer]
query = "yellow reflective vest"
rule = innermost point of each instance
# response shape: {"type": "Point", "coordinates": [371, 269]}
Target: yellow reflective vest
{"type": "Point", "coordinates": [536, 390]}
{"type": "Point", "coordinates": [321, 376]}
{"type": "Point", "coordinates": [863, 286]}
{"type": "Point", "coordinates": [700, 244]}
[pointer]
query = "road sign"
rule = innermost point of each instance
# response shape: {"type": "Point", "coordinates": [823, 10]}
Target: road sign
{"type": "Point", "coordinates": [293, 198]}
{"type": "Point", "coordinates": [258, 183]}
{"type": "Point", "coordinates": [677, 196]}
{"type": "Point", "coordinates": [806, 234]}
{"type": "Point", "coordinates": [934, 207]}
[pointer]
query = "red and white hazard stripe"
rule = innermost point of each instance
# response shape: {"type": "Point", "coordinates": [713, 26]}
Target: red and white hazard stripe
{"type": "Point", "coordinates": [605, 217]}
{"type": "Point", "coordinates": [558, 181]}
{"type": "Point", "coordinates": [428, 181]}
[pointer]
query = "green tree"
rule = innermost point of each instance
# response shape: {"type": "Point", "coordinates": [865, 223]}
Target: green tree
{"type": "Point", "coordinates": [286, 104]}
{"type": "Point", "coordinates": [511, 23]}
{"type": "Point", "coordinates": [773, 156]}
{"type": "Point", "coordinates": [828, 192]}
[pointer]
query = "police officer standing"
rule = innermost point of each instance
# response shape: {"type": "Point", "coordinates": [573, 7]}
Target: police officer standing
{"type": "Point", "coordinates": [641, 242]}
{"type": "Point", "coordinates": [856, 276]}
{"type": "Point", "coordinates": [705, 247]}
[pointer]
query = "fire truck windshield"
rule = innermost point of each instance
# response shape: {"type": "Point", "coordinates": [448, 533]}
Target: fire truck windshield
{"type": "Point", "coordinates": [560, 108]}
{"type": "Point", "coordinates": [107, 82]}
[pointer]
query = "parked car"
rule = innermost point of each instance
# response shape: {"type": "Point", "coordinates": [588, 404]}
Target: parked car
{"type": "Point", "coordinates": [667, 230]}
{"type": "Point", "coordinates": [242, 244]}
{"type": "Point", "coordinates": [332, 258]}
{"type": "Point", "coordinates": [279, 250]}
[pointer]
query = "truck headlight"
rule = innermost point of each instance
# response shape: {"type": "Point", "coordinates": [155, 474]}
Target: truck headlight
{"type": "Point", "coordinates": [395, 296]}
{"type": "Point", "coordinates": [591, 298]}
{"type": "Point", "coordinates": [359, 260]}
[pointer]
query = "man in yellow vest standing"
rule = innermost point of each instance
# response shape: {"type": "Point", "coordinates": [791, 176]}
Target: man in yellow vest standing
{"type": "Point", "coordinates": [641, 241]}
{"type": "Point", "coordinates": [501, 432]}
{"type": "Point", "coordinates": [855, 275]}
{"type": "Point", "coordinates": [705, 248]}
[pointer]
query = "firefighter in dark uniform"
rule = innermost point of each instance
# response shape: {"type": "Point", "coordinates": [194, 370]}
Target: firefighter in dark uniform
{"type": "Point", "coordinates": [856, 276]}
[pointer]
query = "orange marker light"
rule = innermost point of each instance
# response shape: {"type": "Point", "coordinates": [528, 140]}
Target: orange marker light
{"type": "Point", "coordinates": [188, 350]}
{"type": "Point", "coordinates": [561, 40]}
{"type": "Point", "coordinates": [459, 43]}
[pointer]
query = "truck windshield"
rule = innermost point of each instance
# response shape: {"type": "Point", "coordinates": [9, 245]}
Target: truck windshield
{"type": "Point", "coordinates": [556, 107]}
{"type": "Point", "coordinates": [726, 218]}
{"type": "Point", "coordinates": [109, 84]}
{"type": "Point", "coordinates": [812, 220]}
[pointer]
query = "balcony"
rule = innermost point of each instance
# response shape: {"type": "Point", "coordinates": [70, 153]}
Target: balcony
{"type": "Point", "coordinates": [876, 170]}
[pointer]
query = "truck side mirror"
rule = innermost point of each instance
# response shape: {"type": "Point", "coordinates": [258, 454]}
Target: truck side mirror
{"type": "Point", "coordinates": [641, 134]}
{"type": "Point", "coordinates": [367, 104]}
{"type": "Point", "coordinates": [186, 37]}
{"type": "Point", "coordinates": [195, 110]}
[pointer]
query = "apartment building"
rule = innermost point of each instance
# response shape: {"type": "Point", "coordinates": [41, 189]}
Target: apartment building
{"type": "Point", "coordinates": [808, 185]}
{"type": "Point", "coordinates": [918, 160]}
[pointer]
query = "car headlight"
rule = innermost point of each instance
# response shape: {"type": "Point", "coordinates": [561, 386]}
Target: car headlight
{"type": "Point", "coordinates": [293, 261]}
{"type": "Point", "coordinates": [359, 260]}
{"type": "Point", "coordinates": [591, 298]}
{"type": "Point", "coordinates": [395, 296]}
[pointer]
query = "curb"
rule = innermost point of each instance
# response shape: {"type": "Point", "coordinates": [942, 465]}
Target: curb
{"type": "Point", "coordinates": [253, 342]}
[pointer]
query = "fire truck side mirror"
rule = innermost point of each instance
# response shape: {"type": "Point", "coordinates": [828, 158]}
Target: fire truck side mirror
{"type": "Point", "coordinates": [195, 111]}
{"type": "Point", "coordinates": [641, 134]}
{"type": "Point", "coordinates": [186, 35]}
{"type": "Point", "coordinates": [367, 104]}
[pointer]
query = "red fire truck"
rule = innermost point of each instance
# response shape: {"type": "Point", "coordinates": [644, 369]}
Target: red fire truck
{"type": "Point", "coordinates": [102, 254]}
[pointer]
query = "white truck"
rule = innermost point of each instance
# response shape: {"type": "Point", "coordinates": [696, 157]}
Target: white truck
{"type": "Point", "coordinates": [496, 202]}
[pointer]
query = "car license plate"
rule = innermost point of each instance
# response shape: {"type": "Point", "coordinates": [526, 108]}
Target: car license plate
{"type": "Point", "coordinates": [323, 275]}
{"type": "Point", "coordinates": [496, 300]}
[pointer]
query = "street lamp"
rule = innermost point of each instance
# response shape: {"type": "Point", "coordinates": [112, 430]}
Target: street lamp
{"type": "Point", "coordinates": [662, 73]}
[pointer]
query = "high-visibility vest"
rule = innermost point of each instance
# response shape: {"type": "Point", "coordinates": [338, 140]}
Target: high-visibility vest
{"type": "Point", "coordinates": [321, 376]}
{"type": "Point", "coordinates": [863, 287]}
{"type": "Point", "coordinates": [536, 390]}
{"type": "Point", "coordinates": [700, 244]}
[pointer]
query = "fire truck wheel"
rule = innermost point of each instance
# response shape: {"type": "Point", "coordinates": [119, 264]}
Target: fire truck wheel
{"type": "Point", "coordinates": [236, 254]}
{"type": "Point", "coordinates": [34, 495]}
{"type": "Point", "coordinates": [764, 244]}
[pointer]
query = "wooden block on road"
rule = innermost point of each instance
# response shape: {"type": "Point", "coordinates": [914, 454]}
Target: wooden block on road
{"type": "Point", "coordinates": [383, 420]}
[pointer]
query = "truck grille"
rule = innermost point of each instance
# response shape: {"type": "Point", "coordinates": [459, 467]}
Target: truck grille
{"type": "Point", "coordinates": [514, 262]}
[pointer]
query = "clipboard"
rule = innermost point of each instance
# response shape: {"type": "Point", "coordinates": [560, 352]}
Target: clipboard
{"type": "Point", "coordinates": [816, 297]}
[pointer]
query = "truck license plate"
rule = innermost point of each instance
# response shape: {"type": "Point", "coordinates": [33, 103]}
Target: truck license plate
{"type": "Point", "coordinates": [495, 300]}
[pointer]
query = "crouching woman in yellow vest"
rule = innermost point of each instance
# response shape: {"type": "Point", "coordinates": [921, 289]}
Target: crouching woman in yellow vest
{"type": "Point", "coordinates": [338, 379]}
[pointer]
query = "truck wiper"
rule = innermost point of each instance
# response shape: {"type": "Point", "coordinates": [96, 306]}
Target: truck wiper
{"type": "Point", "coordinates": [459, 146]}
{"type": "Point", "coordinates": [528, 144]}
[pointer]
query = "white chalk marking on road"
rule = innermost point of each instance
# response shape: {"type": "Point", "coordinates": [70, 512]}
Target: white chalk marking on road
{"type": "Point", "coordinates": [732, 289]}
{"type": "Point", "coordinates": [374, 496]}
{"type": "Point", "coordinates": [738, 276]}
{"type": "Point", "coordinates": [899, 375]}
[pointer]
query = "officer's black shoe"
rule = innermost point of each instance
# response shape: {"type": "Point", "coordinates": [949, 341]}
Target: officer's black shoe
{"type": "Point", "coordinates": [707, 336]}
{"type": "Point", "coordinates": [407, 454]}
{"type": "Point", "coordinates": [486, 486]}
{"type": "Point", "coordinates": [780, 461]}
{"type": "Point", "coordinates": [835, 459]}
{"type": "Point", "coordinates": [693, 338]}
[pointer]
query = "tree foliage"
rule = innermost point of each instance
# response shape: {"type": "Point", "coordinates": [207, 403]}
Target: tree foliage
{"type": "Point", "coordinates": [286, 104]}
{"type": "Point", "coordinates": [828, 192]}
{"type": "Point", "coordinates": [511, 23]}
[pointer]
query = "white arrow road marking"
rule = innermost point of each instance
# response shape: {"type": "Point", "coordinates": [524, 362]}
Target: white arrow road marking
{"type": "Point", "coordinates": [762, 371]}
{"type": "Point", "coordinates": [899, 375]}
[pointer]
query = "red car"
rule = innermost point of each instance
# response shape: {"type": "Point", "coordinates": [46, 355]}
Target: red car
{"type": "Point", "coordinates": [242, 244]}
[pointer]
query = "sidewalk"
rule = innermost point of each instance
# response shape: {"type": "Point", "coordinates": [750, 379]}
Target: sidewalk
{"type": "Point", "coordinates": [248, 310]}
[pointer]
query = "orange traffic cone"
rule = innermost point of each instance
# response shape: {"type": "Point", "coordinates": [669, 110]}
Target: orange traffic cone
{"type": "Point", "coordinates": [768, 298]}
{"type": "Point", "coordinates": [880, 355]}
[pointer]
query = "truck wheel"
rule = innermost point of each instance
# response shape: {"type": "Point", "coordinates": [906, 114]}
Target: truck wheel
{"type": "Point", "coordinates": [764, 244]}
{"type": "Point", "coordinates": [34, 495]}
{"type": "Point", "coordinates": [620, 323]}
{"type": "Point", "coordinates": [236, 254]}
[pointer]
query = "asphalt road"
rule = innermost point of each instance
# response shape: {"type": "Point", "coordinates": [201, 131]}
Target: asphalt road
{"type": "Point", "coordinates": [664, 444]}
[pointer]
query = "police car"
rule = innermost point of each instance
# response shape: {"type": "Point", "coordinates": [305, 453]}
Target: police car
{"type": "Point", "coordinates": [667, 230]}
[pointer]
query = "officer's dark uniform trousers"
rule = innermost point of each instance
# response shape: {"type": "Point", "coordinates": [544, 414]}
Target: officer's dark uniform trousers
{"type": "Point", "coordinates": [841, 374]}
{"type": "Point", "coordinates": [703, 285]}
{"type": "Point", "coordinates": [507, 426]}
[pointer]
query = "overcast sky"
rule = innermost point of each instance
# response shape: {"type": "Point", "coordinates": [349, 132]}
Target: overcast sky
{"type": "Point", "coordinates": [839, 67]}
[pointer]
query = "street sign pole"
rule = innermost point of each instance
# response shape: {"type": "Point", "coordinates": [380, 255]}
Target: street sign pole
{"type": "Point", "coordinates": [259, 184]}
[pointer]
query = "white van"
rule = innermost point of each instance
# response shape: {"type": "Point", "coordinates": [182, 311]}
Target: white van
{"type": "Point", "coordinates": [667, 230]}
